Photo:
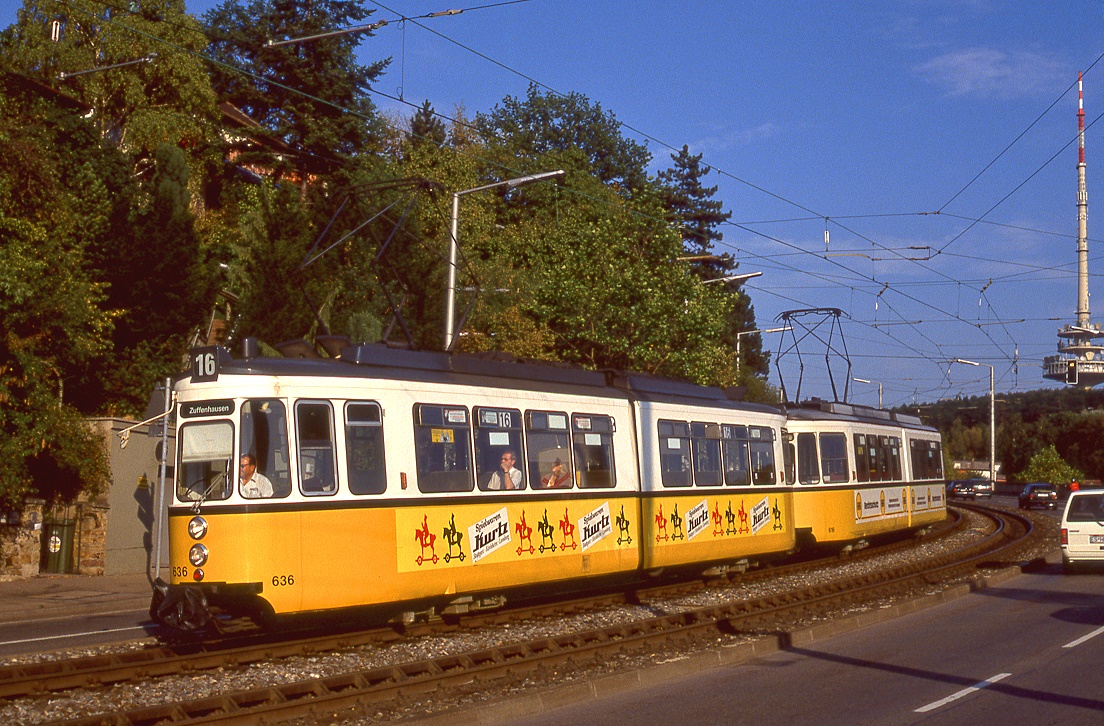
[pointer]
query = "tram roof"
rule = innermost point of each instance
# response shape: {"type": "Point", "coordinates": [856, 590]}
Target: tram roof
{"type": "Point", "coordinates": [493, 368]}
{"type": "Point", "coordinates": [819, 410]}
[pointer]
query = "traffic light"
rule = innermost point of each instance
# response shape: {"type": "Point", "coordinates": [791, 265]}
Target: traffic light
{"type": "Point", "coordinates": [1071, 373]}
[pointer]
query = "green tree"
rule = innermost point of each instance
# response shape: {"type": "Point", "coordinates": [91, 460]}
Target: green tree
{"type": "Point", "coordinates": [160, 282]}
{"type": "Point", "coordinates": [328, 116]}
{"type": "Point", "coordinates": [426, 127]}
{"type": "Point", "coordinates": [55, 183]}
{"type": "Point", "coordinates": [544, 123]}
{"type": "Point", "coordinates": [166, 98]}
{"type": "Point", "coordinates": [1048, 466]}
{"type": "Point", "coordinates": [691, 207]}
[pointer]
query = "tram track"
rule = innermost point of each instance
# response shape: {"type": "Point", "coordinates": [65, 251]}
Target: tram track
{"type": "Point", "coordinates": [240, 650]}
{"type": "Point", "coordinates": [372, 687]}
{"type": "Point", "coordinates": [383, 684]}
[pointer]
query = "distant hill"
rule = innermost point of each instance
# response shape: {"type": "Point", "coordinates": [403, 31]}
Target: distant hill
{"type": "Point", "coordinates": [1070, 419]}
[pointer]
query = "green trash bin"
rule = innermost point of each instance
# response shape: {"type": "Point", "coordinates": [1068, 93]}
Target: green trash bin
{"type": "Point", "coordinates": [57, 546]}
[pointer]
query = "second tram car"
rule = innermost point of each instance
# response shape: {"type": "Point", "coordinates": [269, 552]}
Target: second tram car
{"type": "Point", "coordinates": [860, 472]}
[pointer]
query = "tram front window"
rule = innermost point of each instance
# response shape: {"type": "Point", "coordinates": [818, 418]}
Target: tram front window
{"type": "Point", "coordinates": [206, 455]}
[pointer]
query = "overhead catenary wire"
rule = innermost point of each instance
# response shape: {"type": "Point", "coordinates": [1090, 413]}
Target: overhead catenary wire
{"type": "Point", "coordinates": [798, 249]}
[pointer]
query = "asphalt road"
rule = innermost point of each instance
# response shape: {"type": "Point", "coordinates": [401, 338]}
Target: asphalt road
{"type": "Point", "coordinates": [1027, 651]}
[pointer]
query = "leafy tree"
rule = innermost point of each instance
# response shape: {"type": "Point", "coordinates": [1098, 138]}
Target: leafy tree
{"type": "Point", "coordinates": [160, 282]}
{"type": "Point", "coordinates": [543, 123]}
{"type": "Point", "coordinates": [1048, 466]}
{"type": "Point", "coordinates": [166, 98]}
{"type": "Point", "coordinates": [55, 178]}
{"type": "Point", "coordinates": [691, 208]}
{"type": "Point", "coordinates": [329, 116]}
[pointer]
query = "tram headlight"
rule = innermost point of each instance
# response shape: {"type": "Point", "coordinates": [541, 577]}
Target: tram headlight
{"type": "Point", "coordinates": [197, 555]}
{"type": "Point", "coordinates": [197, 527]}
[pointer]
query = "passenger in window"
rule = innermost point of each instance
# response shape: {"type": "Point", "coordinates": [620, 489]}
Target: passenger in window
{"type": "Point", "coordinates": [559, 478]}
{"type": "Point", "coordinates": [507, 476]}
{"type": "Point", "coordinates": [254, 485]}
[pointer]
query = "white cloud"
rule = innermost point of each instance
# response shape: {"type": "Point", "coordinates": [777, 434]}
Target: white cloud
{"type": "Point", "coordinates": [991, 73]}
{"type": "Point", "coordinates": [737, 138]}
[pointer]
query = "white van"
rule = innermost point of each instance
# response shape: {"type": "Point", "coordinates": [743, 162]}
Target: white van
{"type": "Point", "coordinates": [1083, 529]}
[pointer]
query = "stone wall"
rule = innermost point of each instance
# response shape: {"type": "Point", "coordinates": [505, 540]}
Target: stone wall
{"type": "Point", "coordinates": [21, 541]}
{"type": "Point", "coordinates": [90, 551]}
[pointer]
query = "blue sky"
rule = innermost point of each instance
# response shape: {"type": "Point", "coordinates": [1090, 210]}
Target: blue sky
{"type": "Point", "coordinates": [858, 117]}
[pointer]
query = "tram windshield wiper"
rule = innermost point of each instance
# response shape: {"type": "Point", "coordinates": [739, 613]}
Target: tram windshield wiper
{"type": "Point", "coordinates": [218, 480]}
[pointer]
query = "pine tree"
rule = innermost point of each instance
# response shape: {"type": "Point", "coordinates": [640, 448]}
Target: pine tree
{"type": "Point", "coordinates": [691, 206]}
{"type": "Point", "coordinates": [311, 95]}
{"type": "Point", "coordinates": [426, 127]}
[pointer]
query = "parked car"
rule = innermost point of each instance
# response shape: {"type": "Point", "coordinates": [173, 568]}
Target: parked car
{"type": "Point", "coordinates": [962, 489]}
{"type": "Point", "coordinates": [982, 487]}
{"type": "Point", "coordinates": [1083, 529]}
{"type": "Point", "coordinates": [959, 489]}
{"type": "Point", "coordinates": [970, 488]}
{"type": "Point", "coordinates": [1039, 494]}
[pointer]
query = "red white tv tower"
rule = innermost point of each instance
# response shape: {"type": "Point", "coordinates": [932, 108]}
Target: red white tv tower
{"type": "Point", "coordinates": [1080, 359]}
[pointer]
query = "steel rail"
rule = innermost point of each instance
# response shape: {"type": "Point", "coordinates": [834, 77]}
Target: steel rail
{"type": "Point", "coordinates": [108, 669]}
{"type": "Point", "coordinates": [384, 684]}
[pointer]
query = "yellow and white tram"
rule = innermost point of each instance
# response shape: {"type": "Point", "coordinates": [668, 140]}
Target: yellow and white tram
{"type": "Point", "coordinates": [408, 480]}
{"type": "Point", "coordinates": [860, 472]}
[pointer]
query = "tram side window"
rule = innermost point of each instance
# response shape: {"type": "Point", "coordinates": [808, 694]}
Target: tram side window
{"type": "Point", "coordinates": [893, 449]}
{"type": "Point", "coordinates": [884, 459]}
{"type": "Point", "coordinates": [549, 450]}
{"type": "Point", "coordinates": [876, 457]}
{"type": "Point", "coordinates": [862, 460]}
{"type": "Point", "coordinates": [808, 468]}
{"type": "Point", "coordinates": [706, 440]}
{"type": "Point", "coordinates": [592, 437]}
{"type": "Point", "coordinates": [206, 455]}
{"type": "Point", "coordinates": [364, 448]}
{"type": "Point", "coordinates": [499, 451]}
{"type": "Point", "coordinates": [674, 453]}
{"type": "Point", "coordinates": [264, 434]}
{"type": "Point", "coordinates": [935, 460]}
{"type": "Point", "coordinates": [735, 455]}
{"type": "Point", "coordinates": [762, 455]}
{"type": "Point", "coordinates": [442, 445]}
{"type": "Point", "coordinates": [833, 457]}
{"type": "Point", "coordinates": [317, 468]}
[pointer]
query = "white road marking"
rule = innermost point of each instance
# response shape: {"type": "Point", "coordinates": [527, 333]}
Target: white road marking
{"type": "Point", "coordinates": [69, 635]}
{"type": "Point", "coordinates": [964, 692]}
{"type": "Point", "coordinates": [1083, 638]}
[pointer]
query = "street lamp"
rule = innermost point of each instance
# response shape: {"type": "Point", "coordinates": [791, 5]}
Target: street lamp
{"type": "Point", "coordinates": [751, 332]}
{"type": "Point", "coordinates": [450, 295]}
{"type": "Point", "coordinates": [992, 420]}
{"type": "Point", "coordinates": [863, 380]}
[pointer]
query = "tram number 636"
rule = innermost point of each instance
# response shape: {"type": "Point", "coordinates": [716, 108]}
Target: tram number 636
{"type": "Point", "coordinates": [283, 580]}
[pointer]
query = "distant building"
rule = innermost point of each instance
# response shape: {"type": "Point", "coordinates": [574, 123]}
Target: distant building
{"type": "Point", "coordinates": [966, 469]}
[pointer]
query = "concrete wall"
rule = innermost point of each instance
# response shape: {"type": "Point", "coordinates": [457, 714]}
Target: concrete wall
{"type": "Point", "coordinates": [135, 474]}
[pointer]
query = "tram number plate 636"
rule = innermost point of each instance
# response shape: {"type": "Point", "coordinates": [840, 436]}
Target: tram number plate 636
{"type": "Point", "coordinates": [180, 572]}
{"type": "Point", "coordinates": [283, 580]}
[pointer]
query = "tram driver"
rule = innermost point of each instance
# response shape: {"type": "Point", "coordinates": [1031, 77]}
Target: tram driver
{"type": "Point", "coordinates": [254, 485]}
